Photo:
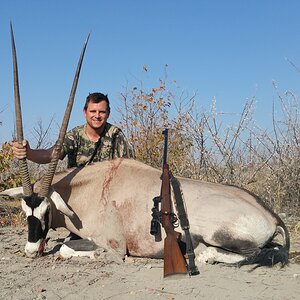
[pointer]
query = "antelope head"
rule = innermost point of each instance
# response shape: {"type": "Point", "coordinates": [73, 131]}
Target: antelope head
{"type": "Point", "coordinates": [37, 206]}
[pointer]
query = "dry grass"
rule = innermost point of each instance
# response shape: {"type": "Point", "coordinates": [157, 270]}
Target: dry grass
{"type": "Point", "coordinates": [11, 213]}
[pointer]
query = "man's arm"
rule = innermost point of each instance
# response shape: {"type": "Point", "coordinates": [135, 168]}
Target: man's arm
{"type": "Point", "coordinates": [40, 156]}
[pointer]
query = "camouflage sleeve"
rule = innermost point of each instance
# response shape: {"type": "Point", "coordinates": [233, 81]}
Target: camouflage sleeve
{"type": "Point", "coordinates": [122, 147]}
{"type": "Point", "coordinates": [68, 144]}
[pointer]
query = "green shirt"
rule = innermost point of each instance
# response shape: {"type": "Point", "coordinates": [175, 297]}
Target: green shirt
{"type": "Point", "coordinates": [111, 144]}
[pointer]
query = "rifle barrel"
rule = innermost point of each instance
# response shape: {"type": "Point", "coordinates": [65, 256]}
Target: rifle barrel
{"type": "Point", "coordinates": [166, 133]}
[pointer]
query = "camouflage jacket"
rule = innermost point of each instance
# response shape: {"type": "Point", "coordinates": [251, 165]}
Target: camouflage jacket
{"type": "Point", "coordinates": [111, 144]}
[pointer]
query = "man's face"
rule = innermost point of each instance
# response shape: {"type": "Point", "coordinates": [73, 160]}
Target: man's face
{"type": "Point", "coordinates": [96, 114]}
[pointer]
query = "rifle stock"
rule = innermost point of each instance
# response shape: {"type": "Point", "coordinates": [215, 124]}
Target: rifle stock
{"type": "Point", "coordinates": [174, 262]}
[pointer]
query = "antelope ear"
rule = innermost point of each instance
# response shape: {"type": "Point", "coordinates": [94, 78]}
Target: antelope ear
{"type": "Point", "coordinates": [60, 203]}
{"type": "Point", "coordinates": [13, 192]}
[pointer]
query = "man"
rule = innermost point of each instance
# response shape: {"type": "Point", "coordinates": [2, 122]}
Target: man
{"type": "Point", "coordinates": [97, 140]}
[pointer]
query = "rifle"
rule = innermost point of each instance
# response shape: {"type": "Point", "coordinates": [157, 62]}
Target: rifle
{"type": "Point", "coordinates": [174, 261]}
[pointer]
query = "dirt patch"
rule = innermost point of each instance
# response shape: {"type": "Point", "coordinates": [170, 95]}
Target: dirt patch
{"type": "Point", "coordinates": [51, 277]}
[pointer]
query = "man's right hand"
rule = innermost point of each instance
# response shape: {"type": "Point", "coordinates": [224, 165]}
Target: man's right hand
{"type": "Point", "coordinates": [20, 151]}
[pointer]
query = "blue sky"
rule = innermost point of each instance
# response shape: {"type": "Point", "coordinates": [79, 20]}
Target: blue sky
{"type": "Point", "coordinates": [231, 50]}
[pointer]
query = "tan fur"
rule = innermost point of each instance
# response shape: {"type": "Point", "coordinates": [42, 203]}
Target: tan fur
{"type": "Point", "coordinates": [112, 202]}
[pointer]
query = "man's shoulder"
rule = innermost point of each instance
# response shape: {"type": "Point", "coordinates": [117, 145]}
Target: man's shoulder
{"type": "Point", "coordinates": [75, 132]}
{"type": "Point", "coordinates": [111, 129]}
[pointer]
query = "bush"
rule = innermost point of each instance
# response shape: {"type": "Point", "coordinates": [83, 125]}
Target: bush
{"type": "Point", "coordinates": [9, 172]}
{"type": "Point", "coordinates": [144, 114]}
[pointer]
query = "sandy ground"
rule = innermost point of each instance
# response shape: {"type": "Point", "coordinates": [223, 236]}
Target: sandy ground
{"type": "Point", "coordinates": [51, 277]}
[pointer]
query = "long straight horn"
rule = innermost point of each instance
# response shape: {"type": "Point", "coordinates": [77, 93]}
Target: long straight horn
{"type": "Point", "coordinates": [47, 180]}
{"type": "Point", "coordinates": [23, 163]}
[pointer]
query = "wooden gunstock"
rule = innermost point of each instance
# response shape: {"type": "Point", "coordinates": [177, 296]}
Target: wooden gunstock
{"type": "Point", "coordinates": [174, 262]}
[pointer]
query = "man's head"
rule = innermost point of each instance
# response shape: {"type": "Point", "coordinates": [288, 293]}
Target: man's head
{"type": "Point", "coordinates": [96, 98]}
{"type": "Point", "coordinates": [96, 111]}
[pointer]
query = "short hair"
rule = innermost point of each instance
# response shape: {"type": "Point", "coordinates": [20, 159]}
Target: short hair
{"type": "Point", "coordinates": [96, 98]}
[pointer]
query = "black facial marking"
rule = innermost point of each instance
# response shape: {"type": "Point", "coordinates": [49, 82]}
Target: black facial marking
{"type": "Point", "coordinates": [35, 230]}
{"type": "Point", "coordinates": [33, 201]}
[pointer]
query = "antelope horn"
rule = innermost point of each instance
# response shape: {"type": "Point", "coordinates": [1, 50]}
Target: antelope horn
{"type": "Point", "coordinates": [58, 145]}
{"type": "Point", "coordinates": [23, 163]}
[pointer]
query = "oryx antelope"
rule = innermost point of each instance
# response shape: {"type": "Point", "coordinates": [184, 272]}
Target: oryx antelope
{"type": "Point", "coordinates": [110, 203]}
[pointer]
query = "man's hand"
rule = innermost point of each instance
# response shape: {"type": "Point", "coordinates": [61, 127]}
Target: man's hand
{"type": "Point", "coordinates": [20, 151]}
